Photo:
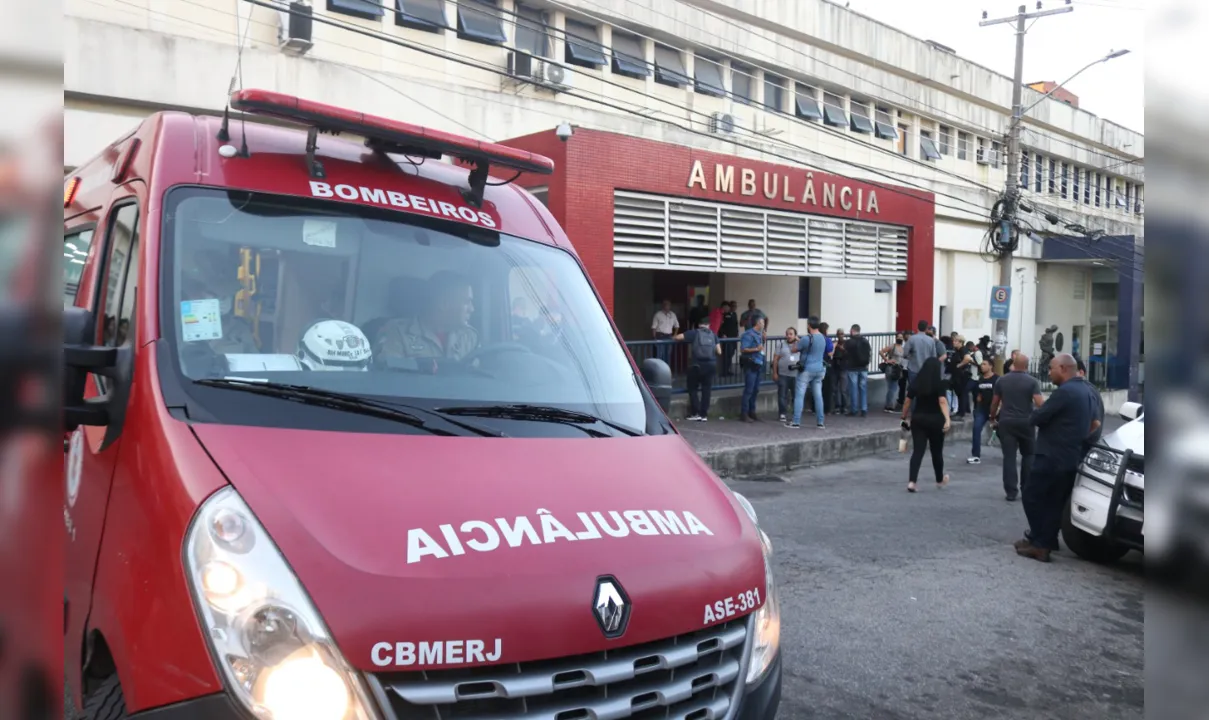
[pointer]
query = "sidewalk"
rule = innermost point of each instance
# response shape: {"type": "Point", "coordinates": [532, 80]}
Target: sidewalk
{"type": "Point", "coordinates": [766, 449]}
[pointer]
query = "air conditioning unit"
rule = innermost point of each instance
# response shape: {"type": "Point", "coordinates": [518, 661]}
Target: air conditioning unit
{"type": "Point", "coordinates": [984, 156]}
{"type": "Point", "coordinates": [294, 28]}
{"type": "Point", "coordinates": [540, 71]}
{"type": "Point", "coordinates": [722, 123]}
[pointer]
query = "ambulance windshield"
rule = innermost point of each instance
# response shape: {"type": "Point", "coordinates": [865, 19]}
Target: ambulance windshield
{"type": "Point", "coordinates": [386, 305]}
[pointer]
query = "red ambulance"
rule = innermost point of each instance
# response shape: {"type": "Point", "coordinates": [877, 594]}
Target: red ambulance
{"type": "Point", "coordinates": [352, 436]}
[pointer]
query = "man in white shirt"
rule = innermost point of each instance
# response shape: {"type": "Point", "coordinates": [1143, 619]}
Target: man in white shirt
{"type": "Point", "coordinates": [663, 326]}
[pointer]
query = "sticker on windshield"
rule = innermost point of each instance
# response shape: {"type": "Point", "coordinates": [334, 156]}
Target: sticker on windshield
{"type": "Point", "coordinates": [320, 233]}
{"type": "Point", "coordinates": [201, 320]}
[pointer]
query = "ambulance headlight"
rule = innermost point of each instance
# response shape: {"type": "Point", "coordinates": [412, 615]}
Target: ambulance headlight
{"type": "Point", "coordinates": [767, 641]}
{"type": "Point", "coordinates": [271, 647]}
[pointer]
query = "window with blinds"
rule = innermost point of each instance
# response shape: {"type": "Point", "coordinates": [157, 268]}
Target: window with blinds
{"type": "Point", "coordinates": [654, 231]}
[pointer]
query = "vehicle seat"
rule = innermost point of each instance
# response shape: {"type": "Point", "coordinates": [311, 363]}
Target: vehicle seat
{"type": "Point", "coordinates": [403, 297]}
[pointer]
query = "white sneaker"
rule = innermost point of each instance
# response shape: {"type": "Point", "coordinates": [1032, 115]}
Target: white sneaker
{"type": "Point", "coordinates": [702, 419]}
{"type": "Point", "coordinates": [694, 418]}
{"type": "Point", "coordinates": [974, 461]}
{"type": "Point", "coordinates": [782, 417]}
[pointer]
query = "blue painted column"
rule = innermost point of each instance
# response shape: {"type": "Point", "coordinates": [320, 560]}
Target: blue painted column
{"type": "Point", "coordinates": [1129, 324]}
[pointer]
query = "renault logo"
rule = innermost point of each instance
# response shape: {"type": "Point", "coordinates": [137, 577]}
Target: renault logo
{"type": "Point", "coordinates": [611, 606]}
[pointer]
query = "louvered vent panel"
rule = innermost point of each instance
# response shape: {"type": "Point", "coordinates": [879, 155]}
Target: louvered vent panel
{"type": "Point", "coordinates": [825, 247]}
{"type": "Point", "coordinates": [860, 250]}
{"type": "Point", "coordinates": [892, 252]}
{"type": "Point", "coordinates": [639, 229]}
{"type": "Point", "coordinates": [693, 236]}
{"type": "Point", "coordinates": [742, 239]}
{"type": "Point", "coordinates": [787, 243]}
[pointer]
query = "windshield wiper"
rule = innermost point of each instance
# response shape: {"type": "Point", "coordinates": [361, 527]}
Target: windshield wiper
{"type": "Point", "coordinates": [344, 401]}
{"type": "Point", "coordinates": [540, 413]}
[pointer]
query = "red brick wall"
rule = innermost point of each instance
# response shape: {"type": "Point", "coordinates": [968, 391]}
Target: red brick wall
{"type": "Point", "coordinates": [591, 164]}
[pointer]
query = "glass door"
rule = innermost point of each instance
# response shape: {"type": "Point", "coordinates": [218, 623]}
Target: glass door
{"type": "Point", "coordinates": [1101, 350]}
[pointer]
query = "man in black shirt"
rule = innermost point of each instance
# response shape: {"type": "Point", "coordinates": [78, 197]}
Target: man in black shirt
{"type": "Point", "coordinates": [1063, 422]}
{"type": "Point", "coordinates": [983, 391]}
{"type": "Point", "coordinates": [1016, 395]}
{"type": "Point", "coordinates": [858, 354]}
{"type": "Point", "coordinates": [1098, 421]}
{"type": "Point", "coordinates": [728, 330]}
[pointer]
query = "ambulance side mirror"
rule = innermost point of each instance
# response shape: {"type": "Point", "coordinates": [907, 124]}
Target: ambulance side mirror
{"type": "Point", "coordinates": [81, 358]}
{"type": "Point", "coordinates": [658, 378]}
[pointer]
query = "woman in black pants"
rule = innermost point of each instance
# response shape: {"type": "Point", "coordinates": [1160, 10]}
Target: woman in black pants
{"type": "Point", "coordinates": [926, 415]}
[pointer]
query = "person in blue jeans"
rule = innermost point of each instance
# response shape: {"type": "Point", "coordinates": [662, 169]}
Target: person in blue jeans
{"type": "Point", "coordinates": [984, 394]}
{"type": "Point", "coordinates": [858, 354]}
{"type": "Point", "coordinates": [812, 348]}
{"type": "Point", "coordinates": [751, 358]}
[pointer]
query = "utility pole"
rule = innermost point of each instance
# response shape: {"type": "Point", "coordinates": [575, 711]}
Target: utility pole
{"type": "Point", "coordinates": [1011, 190]}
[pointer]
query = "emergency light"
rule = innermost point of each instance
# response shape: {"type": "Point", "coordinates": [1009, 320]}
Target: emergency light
{"type": "Point", "coordinates": [389, 136]}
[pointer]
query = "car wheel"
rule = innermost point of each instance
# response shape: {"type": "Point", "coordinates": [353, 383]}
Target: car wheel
{"type": "Point", "coordinates": [106, 702]}
{"type": "Point", "coordinates": [1087, 546]}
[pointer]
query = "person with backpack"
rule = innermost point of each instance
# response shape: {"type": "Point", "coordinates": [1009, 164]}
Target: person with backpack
{"type": "Point", "coordinates": [703, 352]}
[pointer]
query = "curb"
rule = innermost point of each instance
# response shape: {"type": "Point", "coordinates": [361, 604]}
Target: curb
{"type": "Point", "coordinates": [768, 462]}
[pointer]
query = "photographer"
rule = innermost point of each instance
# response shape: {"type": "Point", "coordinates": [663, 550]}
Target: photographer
{"type": "Point", "coordinates": [785, 372]}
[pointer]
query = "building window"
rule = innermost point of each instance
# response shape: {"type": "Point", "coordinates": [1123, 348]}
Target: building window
{"type": "Point", "coordinates": [583, 45]}
{"type": "Point", "coordinates": [883, 286]}
{"type": "Point", "coordinates": [963, 145]}
{"type": "Point", "coordinates": [1099, 182]}
{"type": "Point", "coordinates": [996, 152]}
{"type": "Point", "coordinates": [1024, 170]}
{"type": "Point", "coordinates": [833, 110]}
{"type": "Point", "coordinates": [859, 118]}
{"type": "Point", "coordinates": [367, 9]}
{"type": "Point", "coordinates": [479, 21]}
{"type": "Point", "coordinates": [884, 125]}
{"type": "Point", "coordinates": [1039, 171]}
{"type": "Point", "coordinates": [532, 31]}
{"type": "Point", "coordinates": [1065, 172]}
{"type": "Point", "coordinates": [927, 146]}
{"type": "Point", "coordinates": [945, 141]}
{"type": "Point", "coordinates": [669, 67]}
{"type": "Point", "coordinates": [774, 92]}
{"type": "Point", "coordinates": [904, 140]}
{"type": "Point", "coordinates": [1053, 176]}
{"type": "Point", "coordinates": [1128, 196]}
{"type": "Point", "coordinates": [806, 104]}
{"type": "Point", "coordinates": [629, 57]}
{"type": "Point", "coordinates": [1138, 201]}
{"type": "Point", "coordinates": [742, 86]}
{"type": "Point", "coordinates": [981, 152]}
{"type": "Point", "coordinates": [426, 15]}
{"type": "Point", "coordinates": [707, 77]}
{"type": "Point", "coordinates": [1074, 181]}
{"type": "Point", "coordinates": [1087, 188]}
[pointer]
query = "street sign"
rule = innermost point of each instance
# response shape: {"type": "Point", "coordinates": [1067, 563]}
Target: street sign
{"type": "Point", "coordinates": [1001, 301]}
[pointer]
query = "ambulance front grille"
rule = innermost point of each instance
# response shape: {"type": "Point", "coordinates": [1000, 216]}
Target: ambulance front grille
{"type": "Point", "coordinates": [695, 676]}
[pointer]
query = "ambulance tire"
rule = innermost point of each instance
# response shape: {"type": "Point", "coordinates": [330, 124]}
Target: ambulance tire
{"type": "Point", "coordinates": [106, 702]}
{"type": "Point", "coordinates": [1087, 546]}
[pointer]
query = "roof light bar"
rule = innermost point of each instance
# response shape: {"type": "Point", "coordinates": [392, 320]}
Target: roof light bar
{"type": "Point", "coordinates": [390, 136]}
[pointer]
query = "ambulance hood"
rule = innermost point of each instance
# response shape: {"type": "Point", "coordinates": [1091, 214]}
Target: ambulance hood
{"type": "Point", "coordinates": [403, 540]}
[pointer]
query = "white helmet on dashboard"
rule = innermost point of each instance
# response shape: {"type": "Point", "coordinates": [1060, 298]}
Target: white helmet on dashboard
{"type": "Point", "coordinates": [334, 345]}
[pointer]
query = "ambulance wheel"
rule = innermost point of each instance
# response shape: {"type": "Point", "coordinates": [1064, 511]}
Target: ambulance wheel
{"type": "Point", "coordinates": [1087, 546]}
{"type": "Point", "coordinates": [106, 702]}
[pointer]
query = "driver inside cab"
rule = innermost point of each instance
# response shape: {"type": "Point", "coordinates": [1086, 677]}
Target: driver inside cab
{"type": "Point", "coordinates": [442, 328]}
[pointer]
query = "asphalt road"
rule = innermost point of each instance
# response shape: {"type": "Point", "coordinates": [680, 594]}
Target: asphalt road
{"type": "Point", "coordinates": [916, 606]}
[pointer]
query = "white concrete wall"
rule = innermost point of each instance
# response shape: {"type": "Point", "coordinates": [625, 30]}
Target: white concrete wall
{"type": "Point", "coordinates": [1057, 304]}
{"type": "Point", "coordinates": [777, 296]}
{"type": "Point", "coordinates": [849, 301]}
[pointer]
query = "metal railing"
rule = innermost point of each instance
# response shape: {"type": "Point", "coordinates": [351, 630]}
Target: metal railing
{"type": "Point", "coordinates": [730, 374]}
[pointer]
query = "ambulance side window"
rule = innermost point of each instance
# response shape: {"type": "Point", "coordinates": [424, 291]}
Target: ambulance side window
{"type": "Point", "coordinates": [121, 279]}
{"type": "Point", "coordinates": [75, 254]}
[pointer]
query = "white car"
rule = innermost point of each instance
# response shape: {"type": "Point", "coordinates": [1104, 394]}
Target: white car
{"type": "Point", "coordinates": [1104, 518]}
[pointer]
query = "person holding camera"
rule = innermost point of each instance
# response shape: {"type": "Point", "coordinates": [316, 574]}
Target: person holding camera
{"type": "Point", "coordinates": [892, 368]}
{"type": "Point", "coordinates": [785, 373]}
{"type": "Point", "coordinates": [929, 422]}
